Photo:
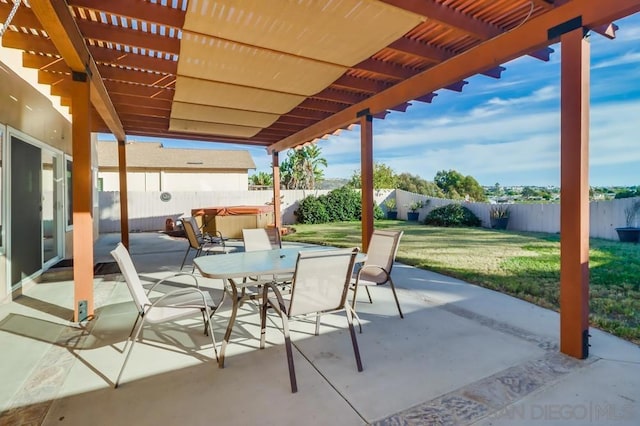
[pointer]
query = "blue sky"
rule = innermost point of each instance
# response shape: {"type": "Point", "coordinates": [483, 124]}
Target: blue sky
{"type": "Point", "coordinates": [506, 130]}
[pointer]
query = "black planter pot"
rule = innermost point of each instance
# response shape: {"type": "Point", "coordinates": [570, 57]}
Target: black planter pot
{"type": "Point", "coordinates": [629, 234]}
{"type": "Point", "coordinates": [499, 222]}
{"type": "Point", "coordinates": [413, 216]}
{"type": "Point", "coordinates": [392, 215]}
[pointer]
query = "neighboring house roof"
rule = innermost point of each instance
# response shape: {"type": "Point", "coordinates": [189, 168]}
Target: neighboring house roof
{"type": "Point", "coordinates": [154, 155]}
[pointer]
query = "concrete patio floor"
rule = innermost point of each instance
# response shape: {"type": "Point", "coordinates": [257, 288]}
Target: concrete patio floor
{"type": "Point", "coordinates": [462, 355]}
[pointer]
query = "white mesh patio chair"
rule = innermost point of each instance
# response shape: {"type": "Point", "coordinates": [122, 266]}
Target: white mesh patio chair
{"type": "Point", "coordinates": [200, 243]}
{"type": "Point", "coordinates": [376, 270]}
{"type": "Point", "coordinates": [177, 304]}
{"type": "Point", "coordinates": [264, 239]}
{"type": "Point", "coordinates": [261, 239]}
{"type": "Point", "coordinates": [320, 286]}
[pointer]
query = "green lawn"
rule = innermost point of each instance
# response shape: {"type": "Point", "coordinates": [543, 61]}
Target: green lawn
{"type": "Point", "coordinates": [525, 265]}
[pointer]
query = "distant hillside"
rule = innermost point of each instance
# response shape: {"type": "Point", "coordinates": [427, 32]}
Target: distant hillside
{"type": "Point", "coordinates": [332, 183]}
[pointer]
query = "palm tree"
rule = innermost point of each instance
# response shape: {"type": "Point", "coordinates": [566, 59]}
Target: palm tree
{"type": "Point", "coordinates": [261, 179]}
{"type": "Point", "coordinates": [301, 169]}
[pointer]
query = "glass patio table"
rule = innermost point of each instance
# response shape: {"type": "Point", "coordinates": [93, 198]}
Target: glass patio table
{"type": "Point", "coordinates": [232, 268]}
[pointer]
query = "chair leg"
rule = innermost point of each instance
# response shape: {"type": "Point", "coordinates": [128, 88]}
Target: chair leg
{"type": "Point", "coordinates": [198, 252]}
{"type": "Point", "coordinates": [355, 315]}
{"type": "Point", "coordinates": [287, 344]}
{"type": "Point", "coordinates": [126, 358]}
{"type": "Point", "coordinates": [354, 341]}
{"type": "Point", "coordinates": [393, 288]}
{"type": "Point", "coordinates": [204, 319]}
{"type": "Point", "coordinates": [207, 324]}
{"type": "Point", "coordinates": [317, 324]}
{"type": "Point", "coordinates": [185, 257]}
{"type": "Point", "coordinates": [355, 295]}
{"type": "Point", "coordinates": [263, 318]}
{"type": "Point", "coordinates": [131, 333]}
{"type": "Point", "coordinates": [368, 294]}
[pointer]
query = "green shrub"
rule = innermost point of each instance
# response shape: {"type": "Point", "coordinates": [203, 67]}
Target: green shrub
{"type": "Point", "coordinates": [378, 213]}
{"type": "Point", "coordinates": [343, 204]}
{"type": "Point", "coordinates": [340, 205]}
{"type": "Point", "coordinates": [312, 210]}
{"type": "Point", "coordinates": [452, 215]}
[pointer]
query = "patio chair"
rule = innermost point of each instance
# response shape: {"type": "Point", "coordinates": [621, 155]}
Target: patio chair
{"type": "Point", "coordinates": [264, 239]}
{"type": "Point", "coordinates": [171, 306]}
{"type": "Point", "coordinates": [261, 239]}
{"type": "Point", "coordinates": [320, 286]}
{"type": "Point", "coordinates": [201, 244]}
{"type": "Point", "coordinates": [376, 270]}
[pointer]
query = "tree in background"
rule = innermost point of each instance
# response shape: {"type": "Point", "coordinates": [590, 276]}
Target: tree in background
{"type": "Point", "coordinates": [261, 179]}
{"type": "Point", "coordinates": [457, 186]}
{"type": "Point", "coordinates": [628, 192]}
{"type": "Point", "coordinates": [383, 177]}
{"type": "Point", "coordinates": [415, 184]}
{"type": "Point", "coordinates": [535, 193]}
{"type": "Point", "coordinates": [301, 169]}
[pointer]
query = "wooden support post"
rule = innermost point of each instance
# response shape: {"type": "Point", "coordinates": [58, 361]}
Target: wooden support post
{"type": "Point", "coordinates": [277, 214]}
{"type": "Point", "coordinates": [82, 203]}
{"type": "Point", "coordinates": [124, 199]}
{"type": "Point", "coordinates": [366, 176]}
{"type": "Point", "coordinates": [574, 195]}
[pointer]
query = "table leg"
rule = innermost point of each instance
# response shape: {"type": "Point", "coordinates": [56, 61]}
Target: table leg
{"type": "Point", "coordinates": [232, 319]}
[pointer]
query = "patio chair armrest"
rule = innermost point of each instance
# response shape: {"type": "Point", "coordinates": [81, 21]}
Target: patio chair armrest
{"type": "Point", "coordinates": [180, 292]}
{"type": "Point", "coordinates": [366, 267]}
{"type": "Point", "coordinates": [173, 276]}
{"type": "Point", "coordinates": [273, 286]}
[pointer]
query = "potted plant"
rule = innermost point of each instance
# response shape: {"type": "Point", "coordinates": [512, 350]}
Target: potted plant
{"type": "Point", "coordinates": [392, 212]}
{"type": "Point", "coordinates": [499, 216]}
{"type": "Point", "coordinates": [413, 214]}
{"type": "Point", "coordinates": [630, 233]}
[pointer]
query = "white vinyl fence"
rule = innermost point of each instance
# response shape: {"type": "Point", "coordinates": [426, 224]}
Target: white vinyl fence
{"type": "Point", "coordinates": [605, 216]}
{"type": "Point", "coordinates": [148, 212]}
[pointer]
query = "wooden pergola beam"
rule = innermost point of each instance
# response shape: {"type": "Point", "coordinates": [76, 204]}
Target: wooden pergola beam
{"type": "Point", "coordinates": [574, 195]}
{"type": "Point", "coordinates": [136, 9]}
{"type": "Point", "coordinates": [422, 50]}
{"type": "Point", "coordinates": [129, 37]}
{"type": "Point", "coordinates": [133, 60]}
{"type": "Point", "coordinates": [140, 90]}
{"type": "Point", "coordinates": [194, 137]}
{"type": "Point", "coordinates": [366, 177]}
{"type": "Point", "coordinates": [449, 17]}
{"type": "Point", "coordinates": [528, 37]}
{"type": "Point", "coordinates": [387, 69]}
{"type": "Point", "coordinates": [125, 99]}
{"type": "Point", "coordinates": [57, 21]}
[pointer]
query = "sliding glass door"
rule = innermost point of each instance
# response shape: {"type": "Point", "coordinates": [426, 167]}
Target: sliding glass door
{"type": "Point", "coordinates": [35, 209]}
{"type": "Point", "coordinates": [26, 210]}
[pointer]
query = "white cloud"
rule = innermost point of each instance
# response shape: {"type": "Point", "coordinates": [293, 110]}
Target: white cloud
{"type": "Point", "coordinates": [627, 58]}
{"type": "Point", "coordinates": [544, 94]}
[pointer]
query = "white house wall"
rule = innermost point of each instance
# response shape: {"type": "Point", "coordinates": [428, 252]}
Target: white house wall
{"type": "Point", "coordinates": [176, 181]}
{"type": "Point", "coordinates": [205, 182]}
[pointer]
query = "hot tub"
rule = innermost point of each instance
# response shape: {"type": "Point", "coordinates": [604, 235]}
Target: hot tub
{"type": "Point", "coordinates": [231, 220]}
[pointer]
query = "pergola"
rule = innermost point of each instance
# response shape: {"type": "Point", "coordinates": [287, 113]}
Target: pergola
{"type": "Point", "coordinates": [284, 73]}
